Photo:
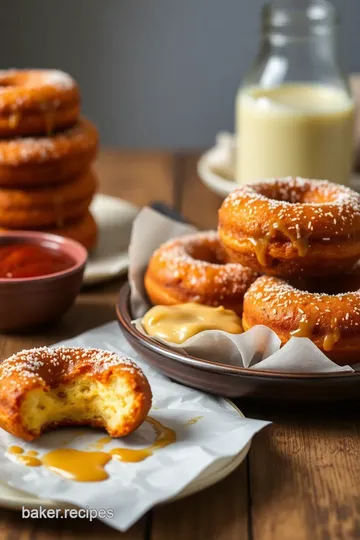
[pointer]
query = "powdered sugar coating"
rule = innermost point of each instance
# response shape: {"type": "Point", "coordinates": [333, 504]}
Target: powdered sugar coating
{"type": "Point", "coordinates": [81, 138]}
{"type": "Point", "coordinates": [35, 364]}
{"type": "Point", "coordinates": [300, 202]}
{"type": "Point", "coordinates": [283, 302]}
{"type": "Point", "coordinates": [35, 78]}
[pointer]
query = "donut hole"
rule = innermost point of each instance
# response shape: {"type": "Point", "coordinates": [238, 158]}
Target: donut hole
{"type": "Point", "coordinates": [297, 193]}
{"type": "Point", "coordinates": [210, 252]}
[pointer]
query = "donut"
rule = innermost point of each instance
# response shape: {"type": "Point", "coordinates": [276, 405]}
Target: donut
{"type": "Point", "coordinates": [48, 160]}
{"type": "Point", "coordinates": [292, 226]}
{"type": "Point", "coordinates": [34, 102]}
{"type": "Point", "coordinates": [330, 319]}
{"type": "Point", "coordinates": [195, 268]}
{"type": "Point", "coordinates": [43, 388]}
{"type": "Point", "coordinates": [50, 206]}
{"type": "Point", "coordinates": [84, 231]}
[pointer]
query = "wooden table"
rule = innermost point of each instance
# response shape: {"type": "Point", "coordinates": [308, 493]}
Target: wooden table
{"type": "Point", "coordinates": [301, 479]}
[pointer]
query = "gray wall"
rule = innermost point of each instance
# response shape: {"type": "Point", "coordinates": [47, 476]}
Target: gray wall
{"type": "Point", "coordinates": [153, 73]}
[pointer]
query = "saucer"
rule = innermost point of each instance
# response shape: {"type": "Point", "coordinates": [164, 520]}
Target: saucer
{"type": "Point", "coordinates": [216, 167]}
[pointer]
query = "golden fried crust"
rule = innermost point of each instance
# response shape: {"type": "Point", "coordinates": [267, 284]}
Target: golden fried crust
{"type": "Point", "coordinates": [46, 207]}
{"type": "Point", "coordinates": [48, 160]}
{"type": "Point", "coordinates": [47, 369]}
{"type": "Point", "coordinates": [285, 227]}
{"type": "Point", "coordinates": [83, 230]}
{"type": "Point", "coordinates": [37, 102]}
{"type": "Point", "coordinates": [331, 321]}
{"type": "Point", "coordinates": [194, 269]}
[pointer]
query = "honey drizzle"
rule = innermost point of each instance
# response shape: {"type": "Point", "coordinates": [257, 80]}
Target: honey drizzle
{"type": "Point", "coordinates": [306, 327]}
{"type": "Point", "coordinates": [88, 466]}
{"type": "Point", "coordinates": [261, 244]}
{"type": "Point", "coordinates": [14, 120]}
{"type": "Point", "coordinates": [332, 337]}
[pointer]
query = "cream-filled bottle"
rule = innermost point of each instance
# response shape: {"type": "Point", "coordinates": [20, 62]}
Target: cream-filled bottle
{"type": "Point", "coordinates": [294, 113]}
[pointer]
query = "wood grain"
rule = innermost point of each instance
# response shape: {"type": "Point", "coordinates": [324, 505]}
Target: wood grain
{"type": "Point", "coordinates": [218, 513]}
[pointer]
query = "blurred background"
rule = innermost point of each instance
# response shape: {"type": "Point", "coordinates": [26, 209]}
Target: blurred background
{"type": "Point", "coordinates": [153, 73]}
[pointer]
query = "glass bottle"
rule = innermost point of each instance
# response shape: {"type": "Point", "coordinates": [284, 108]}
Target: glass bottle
{"type": "Point", "coordinates": [294, 111]}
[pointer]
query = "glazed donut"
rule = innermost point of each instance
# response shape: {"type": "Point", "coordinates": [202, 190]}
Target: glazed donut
{"type": "Point", "coordinates": [34, 102]}
{"type": "Point", "coordinates": [194, 269]}
{"type": "Point", "coordinates": [48, 160]}
{"type": "Point", "coordinates": [43, 388]}
{"type": "Point", "coordinates": [289, 226]}
{"type": "Point", "coordinates": [331, 321]}
{"type": "Point", "coordinates": [84, 231]}
{"type": "Point", "coordinates": [51, 206]}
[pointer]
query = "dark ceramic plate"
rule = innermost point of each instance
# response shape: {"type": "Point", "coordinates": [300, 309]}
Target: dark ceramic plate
{"type": "Point", "coordinates": [230, 381]}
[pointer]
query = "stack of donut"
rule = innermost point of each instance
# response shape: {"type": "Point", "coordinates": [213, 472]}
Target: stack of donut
{"type": "Point", "coordinates": [46, 151]}
{"type": "Point", "coordinates": [285, 256]}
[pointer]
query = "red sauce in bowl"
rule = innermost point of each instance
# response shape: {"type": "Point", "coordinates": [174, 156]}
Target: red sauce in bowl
{"type": "Point", "coordinates": [31, 260]}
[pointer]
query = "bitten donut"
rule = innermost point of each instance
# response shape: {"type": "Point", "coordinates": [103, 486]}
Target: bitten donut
{"type": "Point", "coordinates": [34, 102]}
{"type": "Point", "coordinates": [331, 321]}
{"type": "Point", "coordinates": [51, 206]}
{"type": "Point", "coordinates": [195, 268]}
{"type": "Point", "coordinates": [289, 226]}
{"type": "Point", "coordinates": [48, 160]}
{"type": "Point", "coordinates": [43, 388]}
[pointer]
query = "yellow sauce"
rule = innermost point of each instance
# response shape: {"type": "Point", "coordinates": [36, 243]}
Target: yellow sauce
{"type": "Point", "coordinates": [89, 466]}
{"type": "Point", "coordinates": [193, 421]}
{"type": "Point", "coordinates": [77, 465]}
{"type": "Point", "coordinates": [14, 120]}
{"type": "Point", "coordinates": [15, 450]}
{"type": "Point", "coordinates": [332, 337]}
{"type": "Point", "coordinates": [164, 437]}
{"type": "Point", "coordinates": [294, 130]}
{"type": "Point", "coordinates": [301, 243]}
{"type": "Point", "coordinates": [306, 327]}
{"type": "Point", "coordinates": [178, 323]}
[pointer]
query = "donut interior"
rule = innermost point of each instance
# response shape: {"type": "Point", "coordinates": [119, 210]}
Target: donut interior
{"type": "Point", "coordinates": [83, 401]}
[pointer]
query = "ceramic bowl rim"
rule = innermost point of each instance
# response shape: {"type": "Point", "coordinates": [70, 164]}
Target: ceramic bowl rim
{"type": "Point", "coordinates": [65, 245]}
{"type": "Point", "coordinates": [124, 319]}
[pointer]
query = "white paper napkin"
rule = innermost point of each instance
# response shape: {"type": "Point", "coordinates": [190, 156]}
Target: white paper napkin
{"type": "Point", "coordinates": [133, 488]}
{"type": "Point", "coordinates": [258, 348]}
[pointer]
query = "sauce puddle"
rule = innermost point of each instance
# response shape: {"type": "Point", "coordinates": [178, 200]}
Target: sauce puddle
{"type": "Point", "coordinates": [89, 466]}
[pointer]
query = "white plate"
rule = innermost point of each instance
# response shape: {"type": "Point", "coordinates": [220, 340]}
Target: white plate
{"type": "Point", "coordinates": [15, 499]}
{"type": "Point", "coordinates": [216, 167]}
{"type": "Point", "coordinates": [114, 218]}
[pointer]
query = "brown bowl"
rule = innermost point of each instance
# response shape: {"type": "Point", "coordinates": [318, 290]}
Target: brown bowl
{"type": "Point", "coordinates": [29, 302]}
{"type": "Point", "coordinates": [232, 381]}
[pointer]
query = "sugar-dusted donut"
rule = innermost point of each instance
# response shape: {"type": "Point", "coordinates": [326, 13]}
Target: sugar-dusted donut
{"type": "Point", "coordinates": [51, 206]}
{"type": "Point", "coordinates": [290, 226]}
{"type": "Point", "coordinates": [43, 388]}
{"type": "Point", "coordinates": [35, 102]}
{"type": "Point", "coordinates": [83, 230]}
{"type": "Point", "coordinates": [195, 268]}
{"type": "Point", "coordinates": [330, 319]}
{"type": "Point", "coordinates": [48, 160]}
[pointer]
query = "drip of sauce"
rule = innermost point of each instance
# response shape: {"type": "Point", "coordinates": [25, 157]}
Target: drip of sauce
{"type": "Point", "coordinates": [103, 441]}
{"type": "Point", "coordinates": [14, 120]}
{"type": "Point", "coordinates": [31, 260]}
{"type": "Point", "coordinates": [89, 466]}
{"type": "Point", "coordinates": [78, 465]}
{"type": "Point", "coordinates": [15, 450]}
{"type": "Point", "coordinates": [29, 461]}
{"type": "Point", "coordinates": [49, 117]}
{"type": "Point", "coordinates": [193, 421]}
{"type": "Point", "coordinates": [301, 243]}
{"type": "Point", "coordinates": [332, 337]}
{"type": "Point", "coordinates": [178, 323]}
{"type": "Point", "coordinates": [164, 437]}
{"type": "Point", "coordinates": [306, 327]}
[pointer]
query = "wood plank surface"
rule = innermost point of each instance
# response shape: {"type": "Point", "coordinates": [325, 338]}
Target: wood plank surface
{"type": "Point", "coordinates": [301, 480]}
